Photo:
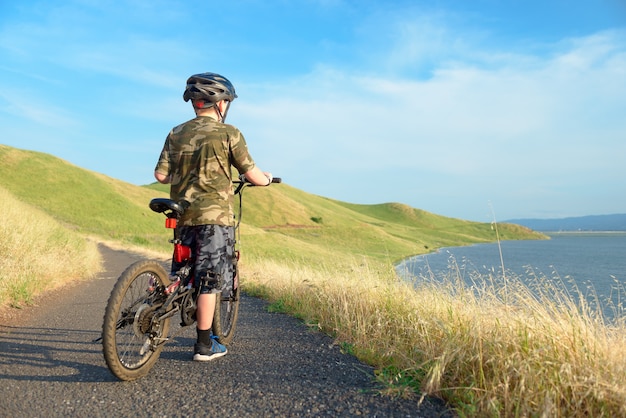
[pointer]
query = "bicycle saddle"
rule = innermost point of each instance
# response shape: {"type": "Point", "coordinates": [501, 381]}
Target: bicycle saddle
{"type": "Point", "coordinates": [161, 205]}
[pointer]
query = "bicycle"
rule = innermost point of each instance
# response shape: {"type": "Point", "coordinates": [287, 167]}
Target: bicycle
{"type": "Point", "coordinates": [145, 297]}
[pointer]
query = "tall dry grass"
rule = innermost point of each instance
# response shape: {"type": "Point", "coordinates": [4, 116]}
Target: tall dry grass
{"type": "Point", "coordinates": [38, 254]}
{"type": "Point", "coordinates": [499, 348]}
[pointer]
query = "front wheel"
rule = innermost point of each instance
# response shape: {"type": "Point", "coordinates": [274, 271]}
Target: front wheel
{"type": "Point", "coordinates": [226, 313]}
{"type": "Point", "coordinates": [132, 334]}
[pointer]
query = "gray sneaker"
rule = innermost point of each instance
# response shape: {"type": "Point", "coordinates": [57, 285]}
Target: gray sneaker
{"type": "Point", "coordinates": [203, 352]}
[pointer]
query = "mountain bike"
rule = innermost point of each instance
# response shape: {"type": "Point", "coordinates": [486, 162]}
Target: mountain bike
{"type": "Point", "coordinates": [145, 298]}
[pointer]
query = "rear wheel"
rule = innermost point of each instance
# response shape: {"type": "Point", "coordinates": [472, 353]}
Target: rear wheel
{"type": "Point", "coordinates": [132, 335]}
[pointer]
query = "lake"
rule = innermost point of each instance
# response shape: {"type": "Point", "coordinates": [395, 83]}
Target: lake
{"type": "Point", "coordinates": [594, 260]}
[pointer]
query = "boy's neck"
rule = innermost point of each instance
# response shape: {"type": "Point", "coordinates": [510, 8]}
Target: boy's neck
{"type": "Point", "coordinates": [207, 112]}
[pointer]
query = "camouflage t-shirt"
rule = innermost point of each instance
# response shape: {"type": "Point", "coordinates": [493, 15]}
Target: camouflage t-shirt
{"type": "Point", "coordinates": [198, 155]}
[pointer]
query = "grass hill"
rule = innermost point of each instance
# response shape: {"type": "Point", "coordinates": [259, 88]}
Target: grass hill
{"type": "Point", "coordinates": [38, 253]}
{"type": "Point", "coordinates": [499, 348]}
{"type": "Point", "coordinates": [279, 221]}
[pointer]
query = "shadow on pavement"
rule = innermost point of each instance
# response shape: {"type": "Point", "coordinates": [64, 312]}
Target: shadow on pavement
{"type": "Point", "coordinates": [49, 354]}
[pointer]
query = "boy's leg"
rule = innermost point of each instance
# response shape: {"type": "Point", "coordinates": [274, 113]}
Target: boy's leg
{"type": "Point", "coordinates": [205, 310]}
{"type": "Point", "coordinates": [206, 347]}
{"type": "Point", "coordinates": [213, 257]}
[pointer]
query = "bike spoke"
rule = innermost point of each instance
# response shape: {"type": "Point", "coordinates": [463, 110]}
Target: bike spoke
{"type": "Point", "coordinates": [134, 327]}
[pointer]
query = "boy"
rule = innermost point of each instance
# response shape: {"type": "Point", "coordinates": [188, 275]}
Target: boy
{"type": "Point", "coordinates": [196, 161]}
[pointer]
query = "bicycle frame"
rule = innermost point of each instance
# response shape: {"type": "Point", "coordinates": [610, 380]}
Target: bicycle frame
{"type": "Point", "coordinates": [181, 293]}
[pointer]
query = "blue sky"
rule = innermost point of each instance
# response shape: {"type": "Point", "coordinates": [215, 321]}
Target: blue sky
{"type": "Point", "coordinates": [456, 107]}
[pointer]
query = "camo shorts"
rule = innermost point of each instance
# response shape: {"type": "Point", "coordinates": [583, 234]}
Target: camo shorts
{"type": "Point", "coordinates": [212, 248]}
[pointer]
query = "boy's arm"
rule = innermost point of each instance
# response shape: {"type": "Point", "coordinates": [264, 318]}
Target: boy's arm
{"type": "Point", "coordinates": [162, 178]}
{"type": "Point", "coordinates": [258, 177]}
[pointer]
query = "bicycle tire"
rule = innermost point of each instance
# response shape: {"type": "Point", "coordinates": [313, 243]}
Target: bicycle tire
{"type": "Point", "coordinates": [226, 313]}
{"type": "Point", "coordinates": [131, 340]}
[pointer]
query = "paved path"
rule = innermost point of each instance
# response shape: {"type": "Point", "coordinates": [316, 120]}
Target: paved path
{"type": "Point", "coordinates": [276, 367]}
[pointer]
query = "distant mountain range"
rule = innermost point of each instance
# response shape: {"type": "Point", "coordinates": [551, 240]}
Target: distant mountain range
{"type": "Point", "coordinates": [615, 222]}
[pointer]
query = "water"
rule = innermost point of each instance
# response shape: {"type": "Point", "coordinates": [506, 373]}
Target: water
{"type": "Point", "coordinates": [594, 262]}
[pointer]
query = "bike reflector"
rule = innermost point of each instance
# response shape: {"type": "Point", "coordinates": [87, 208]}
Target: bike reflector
{"type": "Point", "coordinates": [181, 253]}
{"type": "Point", "coordinates": [170, 223]}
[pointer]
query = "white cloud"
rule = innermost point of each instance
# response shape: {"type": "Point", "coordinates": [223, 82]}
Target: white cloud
{"type": "Point", "coordinates": [515, 125]}
{"type": "Point", "coordinates": [29, 106]}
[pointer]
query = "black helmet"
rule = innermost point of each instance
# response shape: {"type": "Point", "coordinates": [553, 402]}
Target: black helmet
{"type": "Point", "coordinates": [209, 88]}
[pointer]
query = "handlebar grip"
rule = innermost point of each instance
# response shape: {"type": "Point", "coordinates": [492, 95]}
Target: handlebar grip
{"type": "Point", "coordinates": [245, 182]}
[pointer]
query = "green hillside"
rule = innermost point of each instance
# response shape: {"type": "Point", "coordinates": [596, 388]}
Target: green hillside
{"type": "Point", "coordinates": [279, 222]}
{"type": "Point", "coordinates": [89, 202]}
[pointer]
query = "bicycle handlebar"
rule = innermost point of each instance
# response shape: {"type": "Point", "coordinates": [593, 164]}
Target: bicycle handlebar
{"type": "Point", "coordinates": [243, 183]}
{"type": "Point", "coordinates": [248, 183]}
{"type": "Point", "coordinates": [176, 209]}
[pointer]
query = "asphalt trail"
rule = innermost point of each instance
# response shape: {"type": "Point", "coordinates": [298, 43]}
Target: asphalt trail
{"type": "Point", "coordinates": [276, 367]}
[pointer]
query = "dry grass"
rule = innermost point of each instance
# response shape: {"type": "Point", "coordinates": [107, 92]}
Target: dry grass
{"type": "Point", "coordinates": [38, 254]}
{"type": "Point", "coordinates": [497, 349]}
